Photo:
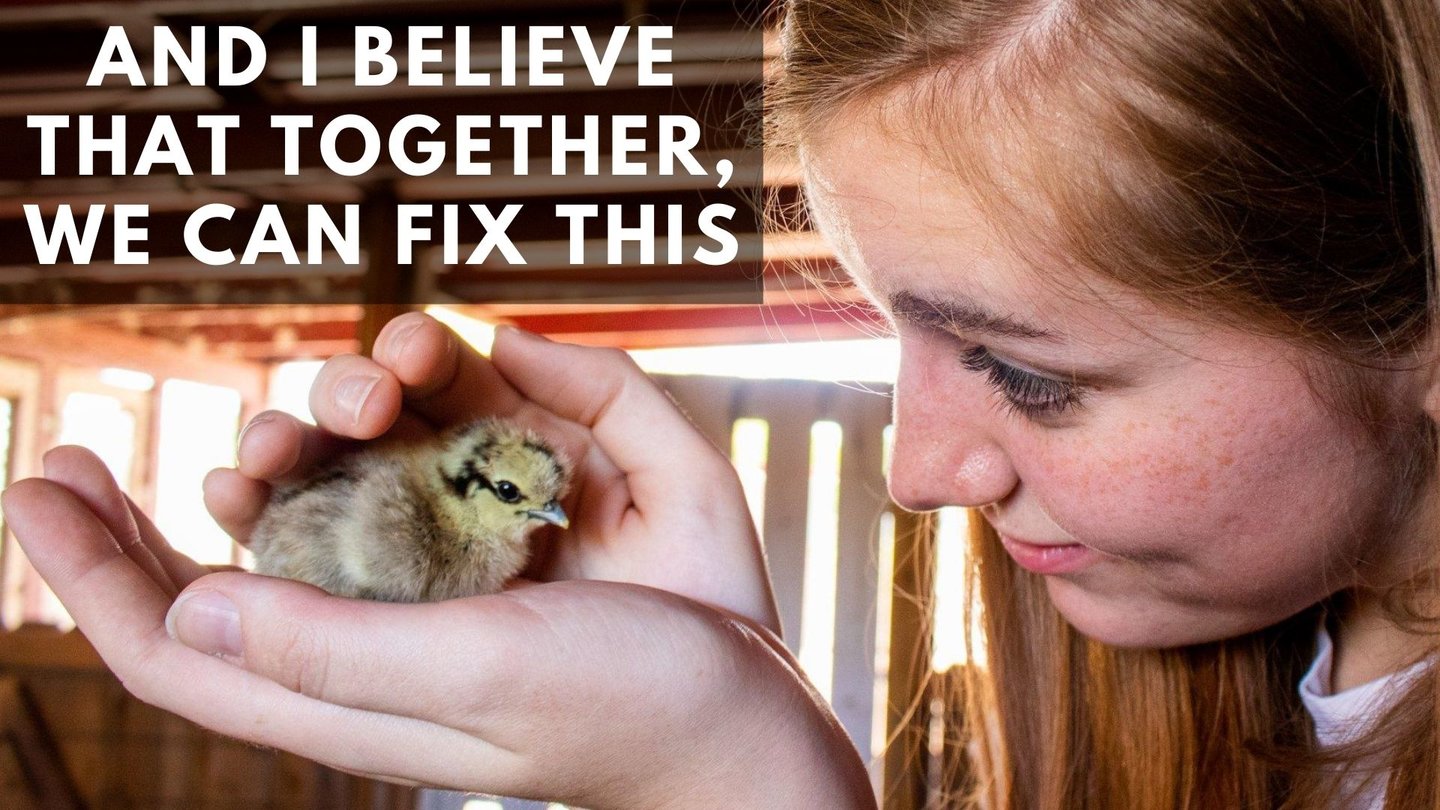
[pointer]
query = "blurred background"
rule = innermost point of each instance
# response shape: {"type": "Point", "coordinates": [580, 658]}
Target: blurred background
{"type": "Point", "coordinates": [156, 366]}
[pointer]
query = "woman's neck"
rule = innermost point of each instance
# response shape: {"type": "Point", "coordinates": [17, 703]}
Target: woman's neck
{"type": "Point", "coordinates": [1368, 642]}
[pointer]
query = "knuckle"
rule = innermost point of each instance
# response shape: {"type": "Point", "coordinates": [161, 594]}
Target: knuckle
{"type": "Point", "coordinates": [299, 661]}
{"type": "Point", "coordinates": [136, 674]}
{"type": "Point", "coordinates": [619, 359]}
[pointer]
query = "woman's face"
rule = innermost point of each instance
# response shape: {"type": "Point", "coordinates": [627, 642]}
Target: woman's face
{"type": "Point", "coordinates": [1187, 486]}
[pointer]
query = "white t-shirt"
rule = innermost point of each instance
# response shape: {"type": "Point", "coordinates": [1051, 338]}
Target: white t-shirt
{"type": "Point", "coordinates": [1343, 716]}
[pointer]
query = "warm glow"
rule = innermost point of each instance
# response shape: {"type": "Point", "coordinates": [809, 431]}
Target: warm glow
{"type": "Point", "coordinates": [862, 361]}
{"type": "Point", "coordinates": [952, 557]}
{"type": "Point", "coordinates": [191, 446]}
{"type": "Point", "coordinates": [7, 426]}
{"type": "Point", "coordinates": [873, 361]}
{"type": "Point", "coordinates": [474, 331]}
{"type": "Point", "coordinates": [749, 451]}
{"type": "Point", "coordinates": [822, 535]}
{"type": "Point", "coordinates": [290, 387]}
{"type": "Point", "coordinates": [127, 379]}
{"type": "Point", "coordinates": [103, 424]}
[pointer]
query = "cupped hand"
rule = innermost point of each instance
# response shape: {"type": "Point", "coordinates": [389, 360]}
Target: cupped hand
{"type": "Point", "coordinates": [655, 503]}
{"type": "Point", "coordinates": [599, 694]}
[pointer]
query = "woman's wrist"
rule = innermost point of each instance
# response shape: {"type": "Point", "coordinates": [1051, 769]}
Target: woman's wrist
{"type": "Point", "coordinates": [769, 739]}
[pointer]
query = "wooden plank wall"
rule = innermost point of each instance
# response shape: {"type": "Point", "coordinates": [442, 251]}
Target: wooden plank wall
{"type": "Point", "coordinates": [791, 408]}
{"type": "Point", "coordinates": [122, 754]}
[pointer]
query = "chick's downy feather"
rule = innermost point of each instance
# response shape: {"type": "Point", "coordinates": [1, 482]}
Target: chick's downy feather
{"type": "Point", "coordinates": [408, 523]}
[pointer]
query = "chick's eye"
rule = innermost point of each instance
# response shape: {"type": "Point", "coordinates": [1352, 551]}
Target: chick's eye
{"type": "Point", "coordinates": [508, 492]}
{"type": "Point", "coordinates": [1030, 394]}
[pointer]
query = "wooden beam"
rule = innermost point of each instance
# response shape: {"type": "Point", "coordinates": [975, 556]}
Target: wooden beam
{"type": "Point", "coordinates": [854, 319]}
{"type": "Point", "coordinates": [205, 317]}
{"type": "Point", "coordinates": [69, 341]}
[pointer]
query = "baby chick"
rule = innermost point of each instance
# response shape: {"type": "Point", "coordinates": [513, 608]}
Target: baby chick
{"type": "Point", "coordinates": [414, 523]}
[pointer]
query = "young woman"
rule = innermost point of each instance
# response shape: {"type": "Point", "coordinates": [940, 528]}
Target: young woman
{"type": "Point", "coordinates": [1162, 277]}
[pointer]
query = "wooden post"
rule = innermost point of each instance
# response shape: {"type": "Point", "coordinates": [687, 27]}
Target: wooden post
{"type": "Point", "coordinates": [790, 409]}
{"type": "Point", "coordinates": [389, 286]}
{"type": "Point", "coordinates": [863, 499]}
{"type": "Point", "coordinates": [912, 622]}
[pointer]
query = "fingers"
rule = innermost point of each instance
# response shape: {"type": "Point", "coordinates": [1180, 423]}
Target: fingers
{"type": "Point", "coordinates": [444, 379]}
{"type": "Point", "coordinates": [85, 475]}
{"type": "Point", "coordinates": [445, 382]}
{"type": "Point", "coordinates": [279, 448]}
{"type": "Point", "coordinates": [235, 501]}
{"type": "Point", "coordinates": [270, 445]}
{"type": "Point", "coordinates": [357, 653]}
{"type": "Point", "coordinates": [633, 420]}
{"type": "Point", "coordinates": [99, 583]}
{"type": "Point", "coordinates": [182, 569]}
{"type": "Point", "coordinates": [122, 612]}
{"type": "Point", "coordinates": [356, 397]}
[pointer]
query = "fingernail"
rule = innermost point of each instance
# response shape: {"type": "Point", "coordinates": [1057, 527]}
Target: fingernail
{"type": "Point", "coordinates": [522, 333]}
{"type": "Point", "coordinates": [351, 393]}
{"type": "Point", "coordinates": [395, 344]}
{"type": "Point", "coordinates": [206, 621]}
{"type": "Point", "coordinates": [259, 420]}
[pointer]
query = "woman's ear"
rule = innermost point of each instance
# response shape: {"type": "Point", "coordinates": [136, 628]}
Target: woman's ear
{"type": "Point", "coordinates": [1428, 374]}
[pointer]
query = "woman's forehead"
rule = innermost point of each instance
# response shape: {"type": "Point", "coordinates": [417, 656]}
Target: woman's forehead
{"type": "Point", "coordinates": [916, 241]}
{"type": "Point", "coordinates": [910, 237]}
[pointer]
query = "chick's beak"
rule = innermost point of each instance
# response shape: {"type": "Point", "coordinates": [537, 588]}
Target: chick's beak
{"type": "Point", "coordinates": [552, 513]}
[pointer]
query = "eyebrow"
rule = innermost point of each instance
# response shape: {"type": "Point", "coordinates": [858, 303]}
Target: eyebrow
{"type": "Point", "coordinates": [961, 315]}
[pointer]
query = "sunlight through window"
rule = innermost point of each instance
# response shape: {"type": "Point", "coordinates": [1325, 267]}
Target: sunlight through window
{"type": "Point", "coordinates": [7, 427]}
{"type": "Point", "coordinates": [860, 361]}
{"type": "Point", "coordinates": [884, 576]}
{"type": "Point", "coordinates": [201, 439]}
{"type": "Point", "coordinates": [127, 379]}
{"type": "Point", "coordinates": [952, 558]}
{"type": "Point", "coordinates": [290, 388]}
{"type": "Point", "coordinates": [749, 449]}
{"type": "Point", "coordinates": [822, 531]}
{"type": "Point", "coordinates": [474, 331]}
{"type": "Point", "coordinates": [102, 424]}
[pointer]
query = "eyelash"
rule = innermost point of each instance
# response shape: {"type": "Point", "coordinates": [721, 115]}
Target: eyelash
{"type": "Point", "coordinates": [1028, 394]}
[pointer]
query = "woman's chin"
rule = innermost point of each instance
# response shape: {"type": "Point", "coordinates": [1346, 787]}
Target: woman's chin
{"type": "Point", "coordinates": [1138, 620]}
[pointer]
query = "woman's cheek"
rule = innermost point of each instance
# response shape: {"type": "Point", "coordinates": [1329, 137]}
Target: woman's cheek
{"type": "Point", "coordinates": [1137, 482]}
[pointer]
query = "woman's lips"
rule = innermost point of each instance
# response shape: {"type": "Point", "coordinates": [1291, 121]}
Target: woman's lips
{"type": "Point", "coordinates": [1042, 559]}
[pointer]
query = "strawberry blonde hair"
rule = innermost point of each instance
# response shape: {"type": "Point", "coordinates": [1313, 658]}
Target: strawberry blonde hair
{"type": "Point", "coordinates": [1273, 164]}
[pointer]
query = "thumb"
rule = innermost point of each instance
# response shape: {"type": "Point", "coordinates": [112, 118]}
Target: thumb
{"type": "Point", "coordinates": [634, 421]}
{"type": "Point", "coordinates": [347, 652]}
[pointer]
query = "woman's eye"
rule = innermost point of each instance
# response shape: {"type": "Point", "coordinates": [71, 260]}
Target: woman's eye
{"type": "Point", "coordinates": [1030, 394]}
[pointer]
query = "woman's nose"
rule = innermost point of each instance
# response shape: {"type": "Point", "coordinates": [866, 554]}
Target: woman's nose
{"type": "Point", "coordinates": [946, 452]}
